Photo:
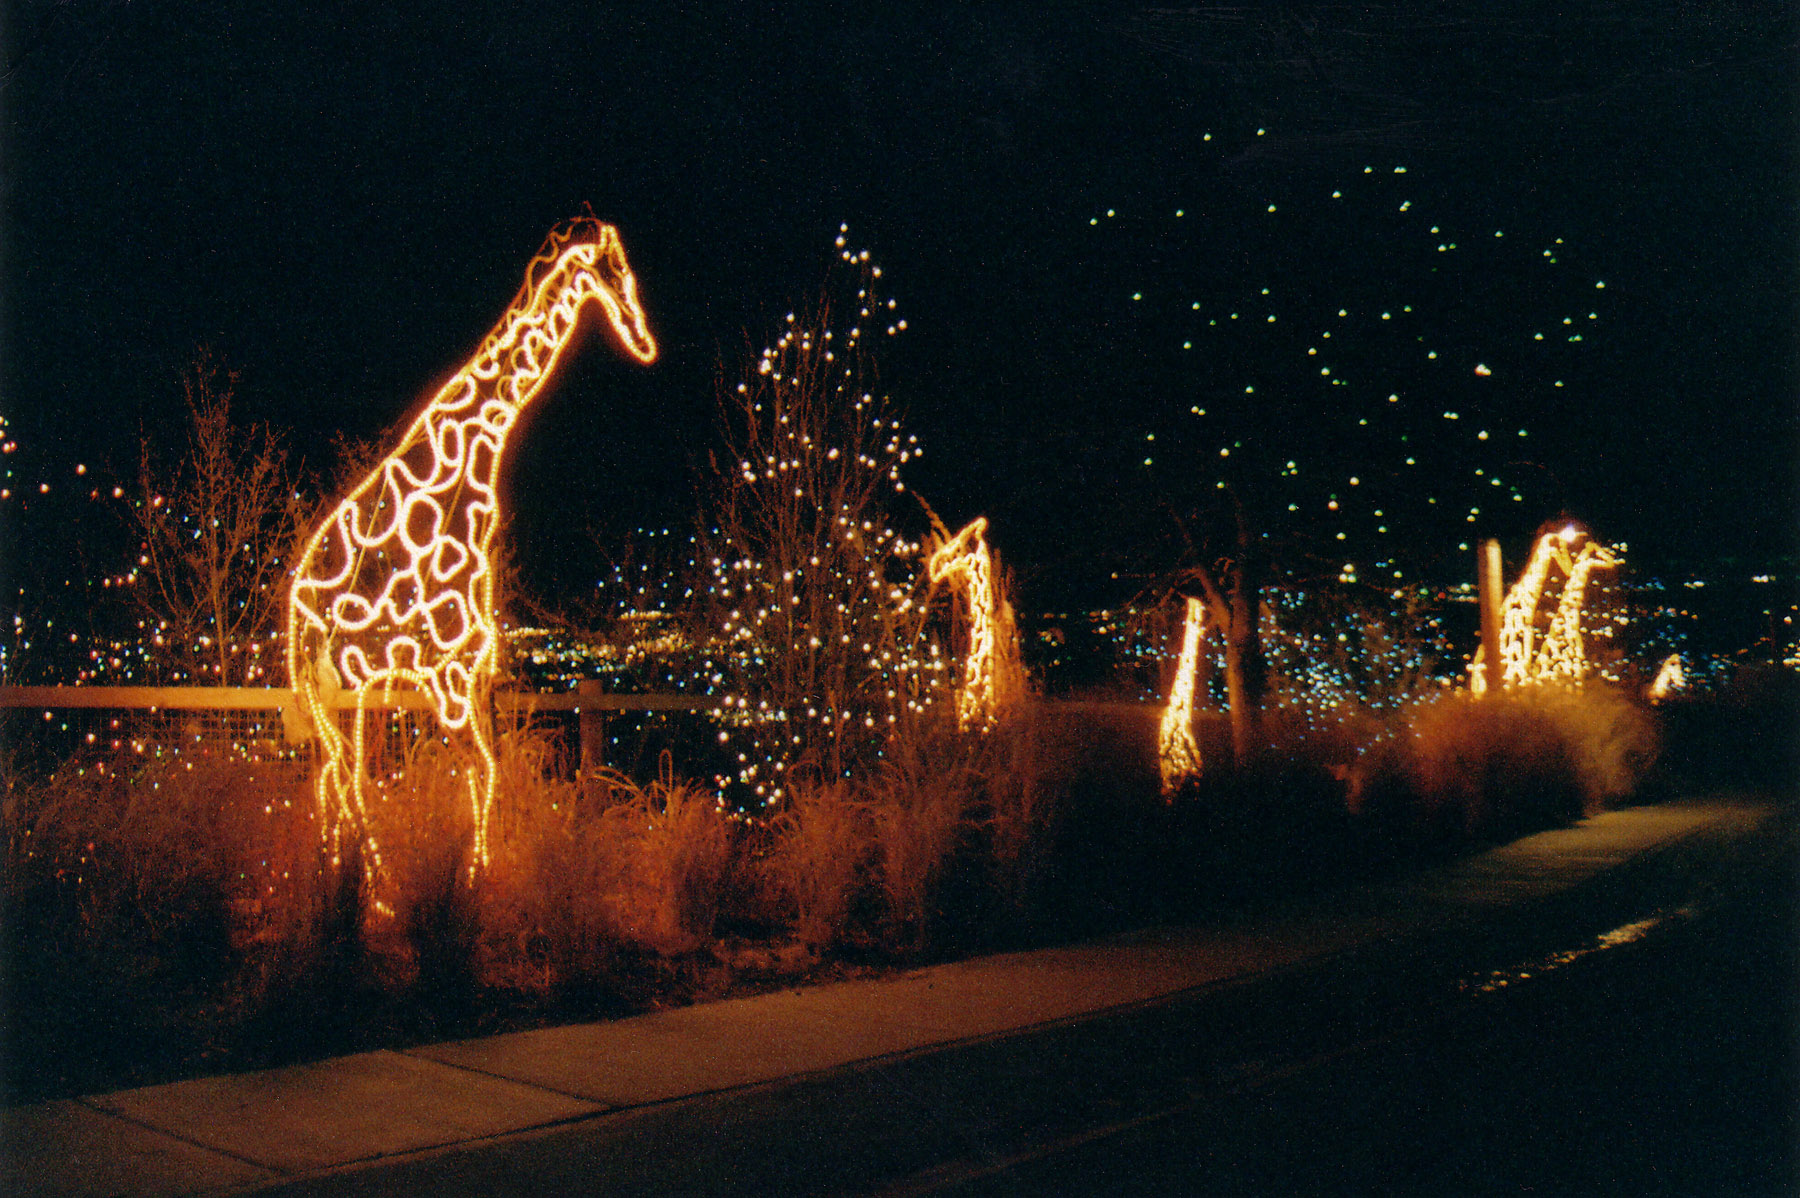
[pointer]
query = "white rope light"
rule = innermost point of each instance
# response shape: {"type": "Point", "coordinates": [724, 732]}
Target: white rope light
{"type": "Point", "coordinates": [395, 589]}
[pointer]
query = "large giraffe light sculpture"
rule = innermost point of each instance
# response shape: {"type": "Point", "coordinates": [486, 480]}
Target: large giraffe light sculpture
{"type": "Point", "coordinates": [1523, 658]}
{"type": "Point", "coordinates": [1178, 753]}
{"type": "Point", "coordinates": [395, 589]}
{"type": "Point", "coordinates": [992, 673]}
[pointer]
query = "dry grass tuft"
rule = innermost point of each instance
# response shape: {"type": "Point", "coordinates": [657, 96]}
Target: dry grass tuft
{"type": "Point", "coordinates": [922, 801]}
{"type": "Point", "coordinates": [818, 860]}
{"type": "Point", "coordinates": [1503, 765]}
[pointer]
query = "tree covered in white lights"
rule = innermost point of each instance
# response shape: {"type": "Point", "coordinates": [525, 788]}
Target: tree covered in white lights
{"type": "Point", "coordinates": [813, 621]}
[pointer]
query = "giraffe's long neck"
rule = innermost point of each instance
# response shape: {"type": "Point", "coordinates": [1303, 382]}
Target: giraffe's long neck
{"type": "Point", "coordinates": [1563, 651]}
{"type": "Point", "coordinates": [518, 356]}
{"type": "Point", "coordinates": [1516, 633]}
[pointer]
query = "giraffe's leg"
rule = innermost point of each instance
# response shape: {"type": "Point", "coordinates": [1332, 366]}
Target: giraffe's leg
{"type": "Point", "coordinates": [481, 779]}
{"type": "Point", "coordinates": [332, 781]}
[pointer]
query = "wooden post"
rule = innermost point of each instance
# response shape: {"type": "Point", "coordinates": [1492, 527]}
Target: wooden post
{"type": "Point", "coordinates": [1490, 585]}
{"type": "Point", "coordinates": [592, 725]}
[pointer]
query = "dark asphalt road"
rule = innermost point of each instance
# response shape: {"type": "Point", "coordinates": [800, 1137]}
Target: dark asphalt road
{"type": "Point", "coordinates": [1642, 1044]}
{"type": "Point", "coordinates": [1658, 1060]}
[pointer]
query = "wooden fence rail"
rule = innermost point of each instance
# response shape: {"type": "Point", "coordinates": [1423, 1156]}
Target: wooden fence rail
{"type": "Point", "coordinates": [590, 705]}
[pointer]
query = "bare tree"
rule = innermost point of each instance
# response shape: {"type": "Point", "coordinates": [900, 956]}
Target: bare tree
{"type": "Point", "coordinates": [214, 530]}
{"type": "Point", "coordinates": [813, 608]}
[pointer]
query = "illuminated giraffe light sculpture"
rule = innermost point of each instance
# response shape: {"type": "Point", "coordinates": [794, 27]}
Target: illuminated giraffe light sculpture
{"type": "Point", "coordinates": [1669, 677]}
{"type": "Point", "coordinates": [395, 589]}
{"type": "Point", "coordinates": [1561, 654]}
{"type": "Point", "coordinates": [993, 676]}
{"type": "Point", "coordinates": [1178, 753]}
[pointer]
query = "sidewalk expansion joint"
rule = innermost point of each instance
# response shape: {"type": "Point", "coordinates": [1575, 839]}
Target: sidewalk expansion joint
{"type": "Point", "coordinates": [93, 1103]}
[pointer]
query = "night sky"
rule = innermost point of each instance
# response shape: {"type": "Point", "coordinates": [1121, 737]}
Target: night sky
{"type": "Point", "coordinates": [341, 210]}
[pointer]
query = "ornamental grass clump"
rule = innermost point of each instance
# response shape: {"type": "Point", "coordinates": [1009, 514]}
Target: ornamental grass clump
{"type": "Point", "coordinates": [817, 864]}
{"type": "Point", "coordinates": [587, 873]}
{"type": "Point", "coordinates": [923, 801]}
{"type": "Point", "coordinates": [1466, 767]}
{"type": "Point", "coordinates": [147, 901]}
{"type": "Point", "coordinates": [1022, 806]}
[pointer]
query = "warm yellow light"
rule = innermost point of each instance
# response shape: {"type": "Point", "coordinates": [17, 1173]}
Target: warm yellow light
{"type": "Point", "coordinates": [395, 589]}
{"type": "Point", "coordinates": [1524, 659]}
{"type": "Point", "coordinates": [1178, 753]}
{"type": "Point", "coordinates": [1669, 677]}
{"type": "Point", "coordinates": [1562, 654]}
{"type": "Point", "coordinates": [992, 674]}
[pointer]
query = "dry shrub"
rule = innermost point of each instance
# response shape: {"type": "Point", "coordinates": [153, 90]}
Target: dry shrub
{"type": "Point", "coordinates": [875, 855]}
{"type": "Point", "coordinates": [422, 920]}
{"type": "Point", "coordinates": [1613, 739]}
{"type": "Point", "coordinates": [190, 857]}
{"type": "Point", "coordinates": [547, 916]}
{"type": "Point", "coordinates": [147, 902]}
{"type": "Point", "coordinates": [677, 845]}
{"type": "Point", "coordinates": [583, 872]}
{"type": "Point", "coordinates": [1023, 804]}
{"type": "Point", "coordinates": [1461, 766]}
{"type": "Point", "coordinates": [922, 802]}
{"type": "Point", "coordinates": [821, 846]}
{"type": "Point", "coordinates": [1745, 733]}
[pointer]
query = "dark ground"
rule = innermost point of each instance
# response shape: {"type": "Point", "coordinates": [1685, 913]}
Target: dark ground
{"type": "Point", "coordinates": [1658, 1059]}
{"type": "Point", "coordinates": [1663, 1066]}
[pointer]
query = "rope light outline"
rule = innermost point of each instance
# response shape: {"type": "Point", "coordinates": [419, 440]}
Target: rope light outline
{"type": "Point", "coordinates": [990, 670]}
{"type": "Point", "coordinates": [431, 626]}
{"type": "Point", "coordinates": [1178, 753]}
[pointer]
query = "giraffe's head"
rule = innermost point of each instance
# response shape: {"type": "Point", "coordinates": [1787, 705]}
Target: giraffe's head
{"type": "Point", "coordinates": [596, 246]}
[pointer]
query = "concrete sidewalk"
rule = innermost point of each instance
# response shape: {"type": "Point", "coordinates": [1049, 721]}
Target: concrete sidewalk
{"type": "Point", "coordinates": [241, 1133]}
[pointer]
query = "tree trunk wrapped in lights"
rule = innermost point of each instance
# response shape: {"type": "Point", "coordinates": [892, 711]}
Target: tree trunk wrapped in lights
{"type": "Point", "coordinates": [813, 616]}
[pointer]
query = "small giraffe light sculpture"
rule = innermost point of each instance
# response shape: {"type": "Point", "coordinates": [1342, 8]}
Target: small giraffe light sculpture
{"type": "Point", "coordinates": [395, 589]}
{"type": "Point", "coordinates": [992, 673]}
{"type": "Point", "coordinates": [1178, 753]}
{"type": "Point", "coordinates": [1670, 677]}
{"type": "Point", "coordinates": [1524, 659]}
{"type": "Point", "coordinates": [1563, 655]}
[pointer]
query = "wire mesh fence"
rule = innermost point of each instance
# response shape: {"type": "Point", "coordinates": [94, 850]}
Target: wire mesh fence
{"type": "Point", "coordinates": [50, 728]}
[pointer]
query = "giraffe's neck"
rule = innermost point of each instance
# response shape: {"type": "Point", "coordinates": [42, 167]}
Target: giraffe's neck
{"type": "Point", "coordinates": [518, 356]}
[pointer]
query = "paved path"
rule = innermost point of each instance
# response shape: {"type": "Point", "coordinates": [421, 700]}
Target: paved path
{"type": "Point", "coordinates": [341, 1123]}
